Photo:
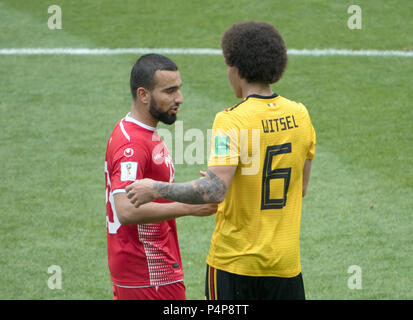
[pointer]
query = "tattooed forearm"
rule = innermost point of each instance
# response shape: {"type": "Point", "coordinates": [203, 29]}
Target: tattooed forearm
{"type": "Point", "coordinates": [205, 190]}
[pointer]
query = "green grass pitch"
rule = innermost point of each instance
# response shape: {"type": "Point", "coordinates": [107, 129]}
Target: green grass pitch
{"type": "Point", "coordinates": [57, 112]}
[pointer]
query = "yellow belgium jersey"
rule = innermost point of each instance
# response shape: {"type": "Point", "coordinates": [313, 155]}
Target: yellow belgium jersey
{"type": "Point", "coordinates": [258, 223]}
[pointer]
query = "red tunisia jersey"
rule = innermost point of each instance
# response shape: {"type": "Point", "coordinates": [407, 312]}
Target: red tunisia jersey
{"type": "Point", "coordinates": [145, 254]}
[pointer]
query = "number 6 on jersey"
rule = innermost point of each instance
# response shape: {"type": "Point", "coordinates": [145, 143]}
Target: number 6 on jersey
{"type": "Point", "coordinates": [269, 174]}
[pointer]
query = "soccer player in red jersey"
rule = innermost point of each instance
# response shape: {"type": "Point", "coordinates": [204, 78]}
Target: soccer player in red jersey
{"type": "Point", "coordinates": [142, 243]}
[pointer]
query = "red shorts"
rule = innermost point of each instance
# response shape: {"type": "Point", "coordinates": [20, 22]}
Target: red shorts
{"type": "Point", "coordinates": [173, 291]}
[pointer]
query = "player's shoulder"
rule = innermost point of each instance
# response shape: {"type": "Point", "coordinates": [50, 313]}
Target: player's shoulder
{"type": "Point", "coordinates": [126, 136]}
{"type": "Point", "coordinates": [233, 109]}
{"type": "Point", "coordinates": [245, 112]}
{"type": "Point", "coordinates": [130, 129]}
{"type": "Point", "coordinates": [292, 105]}
{"type": "Point", "coordinates": [227, 117]}
{"type": "Point", "coordinates": [120, 134]}
{"type": "Point", "coordinates": [244, 103]}
{"type": "Point", "coordinates": [232, 112]}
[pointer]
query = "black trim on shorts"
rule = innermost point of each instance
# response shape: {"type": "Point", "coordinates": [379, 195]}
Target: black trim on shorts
{"type": "Point", "coordinates": [222, 285]}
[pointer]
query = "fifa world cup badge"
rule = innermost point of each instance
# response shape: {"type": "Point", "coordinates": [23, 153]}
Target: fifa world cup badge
{"type": "Point", "coordinates": [128, 171]}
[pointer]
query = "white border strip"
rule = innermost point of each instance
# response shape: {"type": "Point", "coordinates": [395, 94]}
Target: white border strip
{"type": "Point", "coordinates": [197, 51]}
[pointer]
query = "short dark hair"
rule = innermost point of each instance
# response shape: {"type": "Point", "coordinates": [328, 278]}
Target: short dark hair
{"type": "Point", "coordinates": [143, 71]}
{"type": "Point", "coordinates": [256, 49]}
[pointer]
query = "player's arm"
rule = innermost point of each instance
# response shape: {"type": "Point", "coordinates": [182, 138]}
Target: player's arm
{"type": "Point", "coordinates": [156, 212]}
{"type": "Point", "coordinates": [306, 175]}
{"type": "Point", "coordinates": [212, 188]}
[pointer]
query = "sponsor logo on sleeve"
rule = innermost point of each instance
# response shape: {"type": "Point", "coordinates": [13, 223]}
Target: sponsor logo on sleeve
{"type": "Point", "coordinates": [128, 152]}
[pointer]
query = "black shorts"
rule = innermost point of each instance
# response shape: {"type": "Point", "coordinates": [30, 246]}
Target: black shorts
{"type": "Point", "coordinates": [222, 285]}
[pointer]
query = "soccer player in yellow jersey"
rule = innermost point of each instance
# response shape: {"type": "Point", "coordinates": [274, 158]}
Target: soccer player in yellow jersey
{"type": "Point", "coordinates": [258, 171]}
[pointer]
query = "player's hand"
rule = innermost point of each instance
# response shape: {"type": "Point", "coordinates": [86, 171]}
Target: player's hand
{"type": "Point", "coordinates": [203, 210]}
{"type": "Point", "coordinates": [202, 173]}
{"type": "Point", "coordinates": [141, 192]}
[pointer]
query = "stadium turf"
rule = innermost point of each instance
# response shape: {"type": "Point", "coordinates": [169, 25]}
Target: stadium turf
{"type": "Point", "coordinates": [57, 112]}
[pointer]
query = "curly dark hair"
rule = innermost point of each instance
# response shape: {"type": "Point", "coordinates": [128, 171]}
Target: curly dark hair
{"type": "Point", "coordinates": [256, 49]}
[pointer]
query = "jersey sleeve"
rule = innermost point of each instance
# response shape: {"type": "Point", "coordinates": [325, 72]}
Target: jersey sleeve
{"type": "Point", "coordinates": [129, 163]}
{"type": "Point", "coordinates": [224, 148]}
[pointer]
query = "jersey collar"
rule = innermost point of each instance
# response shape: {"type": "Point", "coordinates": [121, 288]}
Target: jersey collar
{"type": "Point", "coordinates": [141, 124]}
{"type": "Point", "coordinates": [274, 95]}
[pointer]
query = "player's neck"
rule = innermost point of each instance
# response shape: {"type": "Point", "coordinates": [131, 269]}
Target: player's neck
{"type": "Point", "coordinates": [256, 88]}
{"type": "Point", "coordinates": [140, 114]}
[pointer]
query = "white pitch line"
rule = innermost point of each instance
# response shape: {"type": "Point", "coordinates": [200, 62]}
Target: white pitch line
{"type": "Point", "coordinates": [346, 52]}
{"type": "Point", "coordinates": [197, 51]}
{"type": "Point", "coordinates": [106, 51]}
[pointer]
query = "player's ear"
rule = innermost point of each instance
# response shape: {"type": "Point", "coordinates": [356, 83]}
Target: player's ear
{"type": "Point", "coordinates": [143, 95]}
{"type": "Point", "coordinates": [235, 80]}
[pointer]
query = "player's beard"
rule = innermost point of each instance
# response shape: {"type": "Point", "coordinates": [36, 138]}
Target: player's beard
{"type": "Point", "coordinates": [164, 117]}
